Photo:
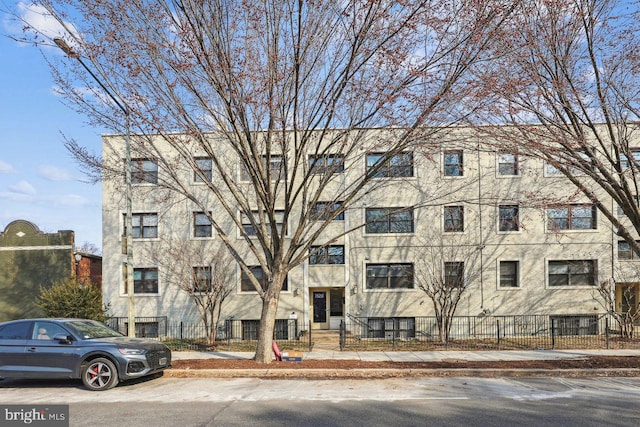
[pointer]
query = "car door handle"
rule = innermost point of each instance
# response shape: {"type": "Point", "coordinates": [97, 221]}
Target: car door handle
{"type": "Point", "coordinates": [32, 349]}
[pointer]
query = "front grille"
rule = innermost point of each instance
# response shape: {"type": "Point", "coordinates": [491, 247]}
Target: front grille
{"type": "Point", "coordinates": [154, 356]}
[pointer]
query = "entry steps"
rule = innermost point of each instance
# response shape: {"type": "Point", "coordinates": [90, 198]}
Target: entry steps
{"type": "Point", "coordinates": [324, 339]}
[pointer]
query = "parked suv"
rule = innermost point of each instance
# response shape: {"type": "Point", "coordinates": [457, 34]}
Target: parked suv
{"type": "Point", "coordinates": [77, 348]}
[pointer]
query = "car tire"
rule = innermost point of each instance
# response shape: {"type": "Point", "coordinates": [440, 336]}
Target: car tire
{"type": "Point", "coordinates": [99, 374]}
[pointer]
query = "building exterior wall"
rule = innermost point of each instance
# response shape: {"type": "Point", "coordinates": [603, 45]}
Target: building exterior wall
{"type": "Point", "coordinates": [30, 259]}
{"type": "Point", "coordinates": [481, 190]}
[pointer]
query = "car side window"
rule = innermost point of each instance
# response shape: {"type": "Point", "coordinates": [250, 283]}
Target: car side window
{"type": "Point", "coordinates": [46, 331]}
{"type": "Point", "coordinates": [14, 331]}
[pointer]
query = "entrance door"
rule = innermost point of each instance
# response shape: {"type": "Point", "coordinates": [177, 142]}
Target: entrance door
{"type": "Point", "coordinates": [327, 305]}
{"type": "Point", "coordinates": [626, 298]}
{"type": "Point", "coordinates": [320, 320]}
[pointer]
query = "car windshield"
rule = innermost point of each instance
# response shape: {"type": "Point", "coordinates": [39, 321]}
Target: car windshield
{"type": "Point", "coordinates": [89, 329]}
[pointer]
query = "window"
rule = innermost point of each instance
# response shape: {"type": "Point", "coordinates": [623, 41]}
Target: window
{"type": "Point", "coordinates": [454, 274]}
{"type": "Point", "coordinates": [396, 166]}
{"type": "Point", "coordinates": [247, 286]}
{"type": "Point", "coordinates": [15, 331]}
{"type": "Point", "coordinates": [327, 164]}
{"type": "Point", "coordinates": [391, 327]}
{"type": "Point", "coordinates": [389, 220]}
{"type": "Point", "coordinates": [201, 225]}
{"type": "Point", "coordinates": [625, 252]}
{"type": "Point", "coordinates": [453, 219]}
{"type": "Point", "coordinates": [624, 159]}
{"type": "Point", "coordinates": [509, 277]}
{"type": "Point", "coordinates": [46, 331]}
{"type": "Point", "coordinates": [389, 276]}
{"type": "Point", "coordinates": [572, 273]}
{"type": "Point", "coordinates": [572, 217]}
{"type": "Point", "coordinates": [205, 168]}
{"type": "Point", "coordinates": [250, 330]}
{"type": "Point", "coordinates": [508, 218]}
{"type": "Point", "coordinates": [574, 325]}
{"type": "Point", "coordinates": [145, 281]}
{"type": "Point", "coordinates": [202, 279]}
{"type": "Point", "coordinates": [551, 170]}
{"type": "Point", "coordinates": [333, 254]}
{"type": "Point", "coordinates": [145, 225]}
{"type": "Point", "coordinates": [508, 164]}
{"type": "Point", "coordinates": [321, 211]}
{"type": "Point", "coordinates": [453, 165]}
{"type": "Point", "coordinates": [144, 171]}
{"type": "Point", "coordinates": [276, 168]}
{"type": "Point", "coordinates": [635, 200]}
{"type": "Point", "coordinates": [251, 230]}
{"type": "Point", "coordinates": [573, 167]}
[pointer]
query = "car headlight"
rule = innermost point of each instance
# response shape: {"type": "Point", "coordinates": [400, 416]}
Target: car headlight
{"type": "Point", "coordinates": [131, 351]}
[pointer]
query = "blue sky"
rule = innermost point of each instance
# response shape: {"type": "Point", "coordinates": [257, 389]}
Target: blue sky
{"type": "Point", "coordinates": [39, 181]}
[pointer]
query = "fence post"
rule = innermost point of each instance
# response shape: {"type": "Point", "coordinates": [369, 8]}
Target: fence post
{"type": "Point", "coordinates": [606, 331]}
{"type": "Point", "coordinates": [342, 334]}
{"type": "Point", "coordinates": [227, 331]}
{"type": "Point", "coordinates": [498, 329]}
{"type": "Point", "coordinates": [553, 334]}
{"type": "Point", "coordinates": [181, 324]}
{"type": "Point", "coordinates": [310, 338]}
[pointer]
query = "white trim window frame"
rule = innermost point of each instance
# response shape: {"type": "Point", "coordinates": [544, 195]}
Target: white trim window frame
{"type": "Point", "coordinates": [572, 274]}
{"type": "Point", "coordinates": [400, 165]}
{"type": "Point", "coordinates": [202, 228]}
{"type": "Point", "coordinates": [508, 218]}
{"type": "Point", "coordinates": [508, 274]}
{"type": "Point", "coordinates": [507, 165]}
{"type": "Point", "coordinates": [389, 276]}
{"type": "Point", "coordinates": [250, 229]}
{"type": "Point", "coordinates": [578, 217]}
{"type": "Point", "coordinates": [205, 166]}
{"type": "Point", "coordinates": [453, 163]}
{"type": "Point", "coordinates": [144, 171]}
{"type": "Point", "coordinates": [453, 219]}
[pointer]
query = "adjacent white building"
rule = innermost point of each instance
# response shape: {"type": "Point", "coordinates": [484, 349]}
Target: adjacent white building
{"type": "Point", "coordinates": [526, 242]}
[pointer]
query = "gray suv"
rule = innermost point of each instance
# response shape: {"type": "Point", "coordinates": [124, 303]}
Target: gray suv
{"type": "Point", "coordinates": [77, 348]}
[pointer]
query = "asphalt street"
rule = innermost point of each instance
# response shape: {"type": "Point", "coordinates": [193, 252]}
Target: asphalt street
{"type": "Point", "coordinates": [407, 401]}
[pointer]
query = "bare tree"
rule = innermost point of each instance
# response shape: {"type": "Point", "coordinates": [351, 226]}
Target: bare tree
{"type": "Point", "coordinates": [205, 275]}
{"type": "Point", "coordinates": [444, 273]}
{"type": "Point", "coordinates": [627, 313]}
{"type": "Point", "coordinates": [566, 90]}
{"type": "Point", "coordinates": [281, 95]}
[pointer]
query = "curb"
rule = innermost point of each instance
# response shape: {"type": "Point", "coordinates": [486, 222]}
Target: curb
{"type": "Point", "coordinates": [327, 374]}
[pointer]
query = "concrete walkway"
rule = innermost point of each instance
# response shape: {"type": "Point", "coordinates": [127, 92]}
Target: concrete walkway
{"type": "Point", "coordinates": [422, 356]}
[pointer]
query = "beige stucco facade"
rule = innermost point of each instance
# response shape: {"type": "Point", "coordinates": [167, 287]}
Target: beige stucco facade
{"type": "Point", "coordinates": [480, 190]}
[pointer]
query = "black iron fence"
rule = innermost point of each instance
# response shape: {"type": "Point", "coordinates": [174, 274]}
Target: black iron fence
{"type": "Point", "coordinates": [516, 332]}
{"type": "Point", "coordinates": [231, 334]}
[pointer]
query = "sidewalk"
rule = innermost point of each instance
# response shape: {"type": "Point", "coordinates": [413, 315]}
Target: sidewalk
{"type": "Point", "coordinates": [421, 356]}
{"type": "Point", "coordinates": [291, 370]}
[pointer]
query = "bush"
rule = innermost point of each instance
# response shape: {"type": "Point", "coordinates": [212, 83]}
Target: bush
{"type": "Point", "coordinates": [71, 298]}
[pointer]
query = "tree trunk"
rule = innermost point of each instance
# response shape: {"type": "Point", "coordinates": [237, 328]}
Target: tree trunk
{"type": "Point", "coordinates": [264, 351]}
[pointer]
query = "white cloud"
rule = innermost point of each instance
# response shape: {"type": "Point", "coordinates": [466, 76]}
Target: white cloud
{"type": "Point", "coordinates": [53, 173]}
{"type": "Point", "coordinates": [23, 187]}
{"type": "Point", "coordinates": [39, 19]}
{"type": "Point", "coordinates": [70, 200]}
{"type": "Point", "coordinates": [6, 167]}
{"type": "Point", "coordinates": [40, 25]}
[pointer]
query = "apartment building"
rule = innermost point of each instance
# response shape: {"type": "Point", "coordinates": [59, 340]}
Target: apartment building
{"type": "Point", "coordinates": [510, 228]}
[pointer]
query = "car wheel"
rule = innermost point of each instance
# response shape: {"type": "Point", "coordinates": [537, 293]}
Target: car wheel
{"type": "Point", "coordinates": [100, 374]}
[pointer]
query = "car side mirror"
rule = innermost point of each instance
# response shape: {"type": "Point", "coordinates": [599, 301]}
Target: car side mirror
{"type": "Point", "coordinates": [63, 339]}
